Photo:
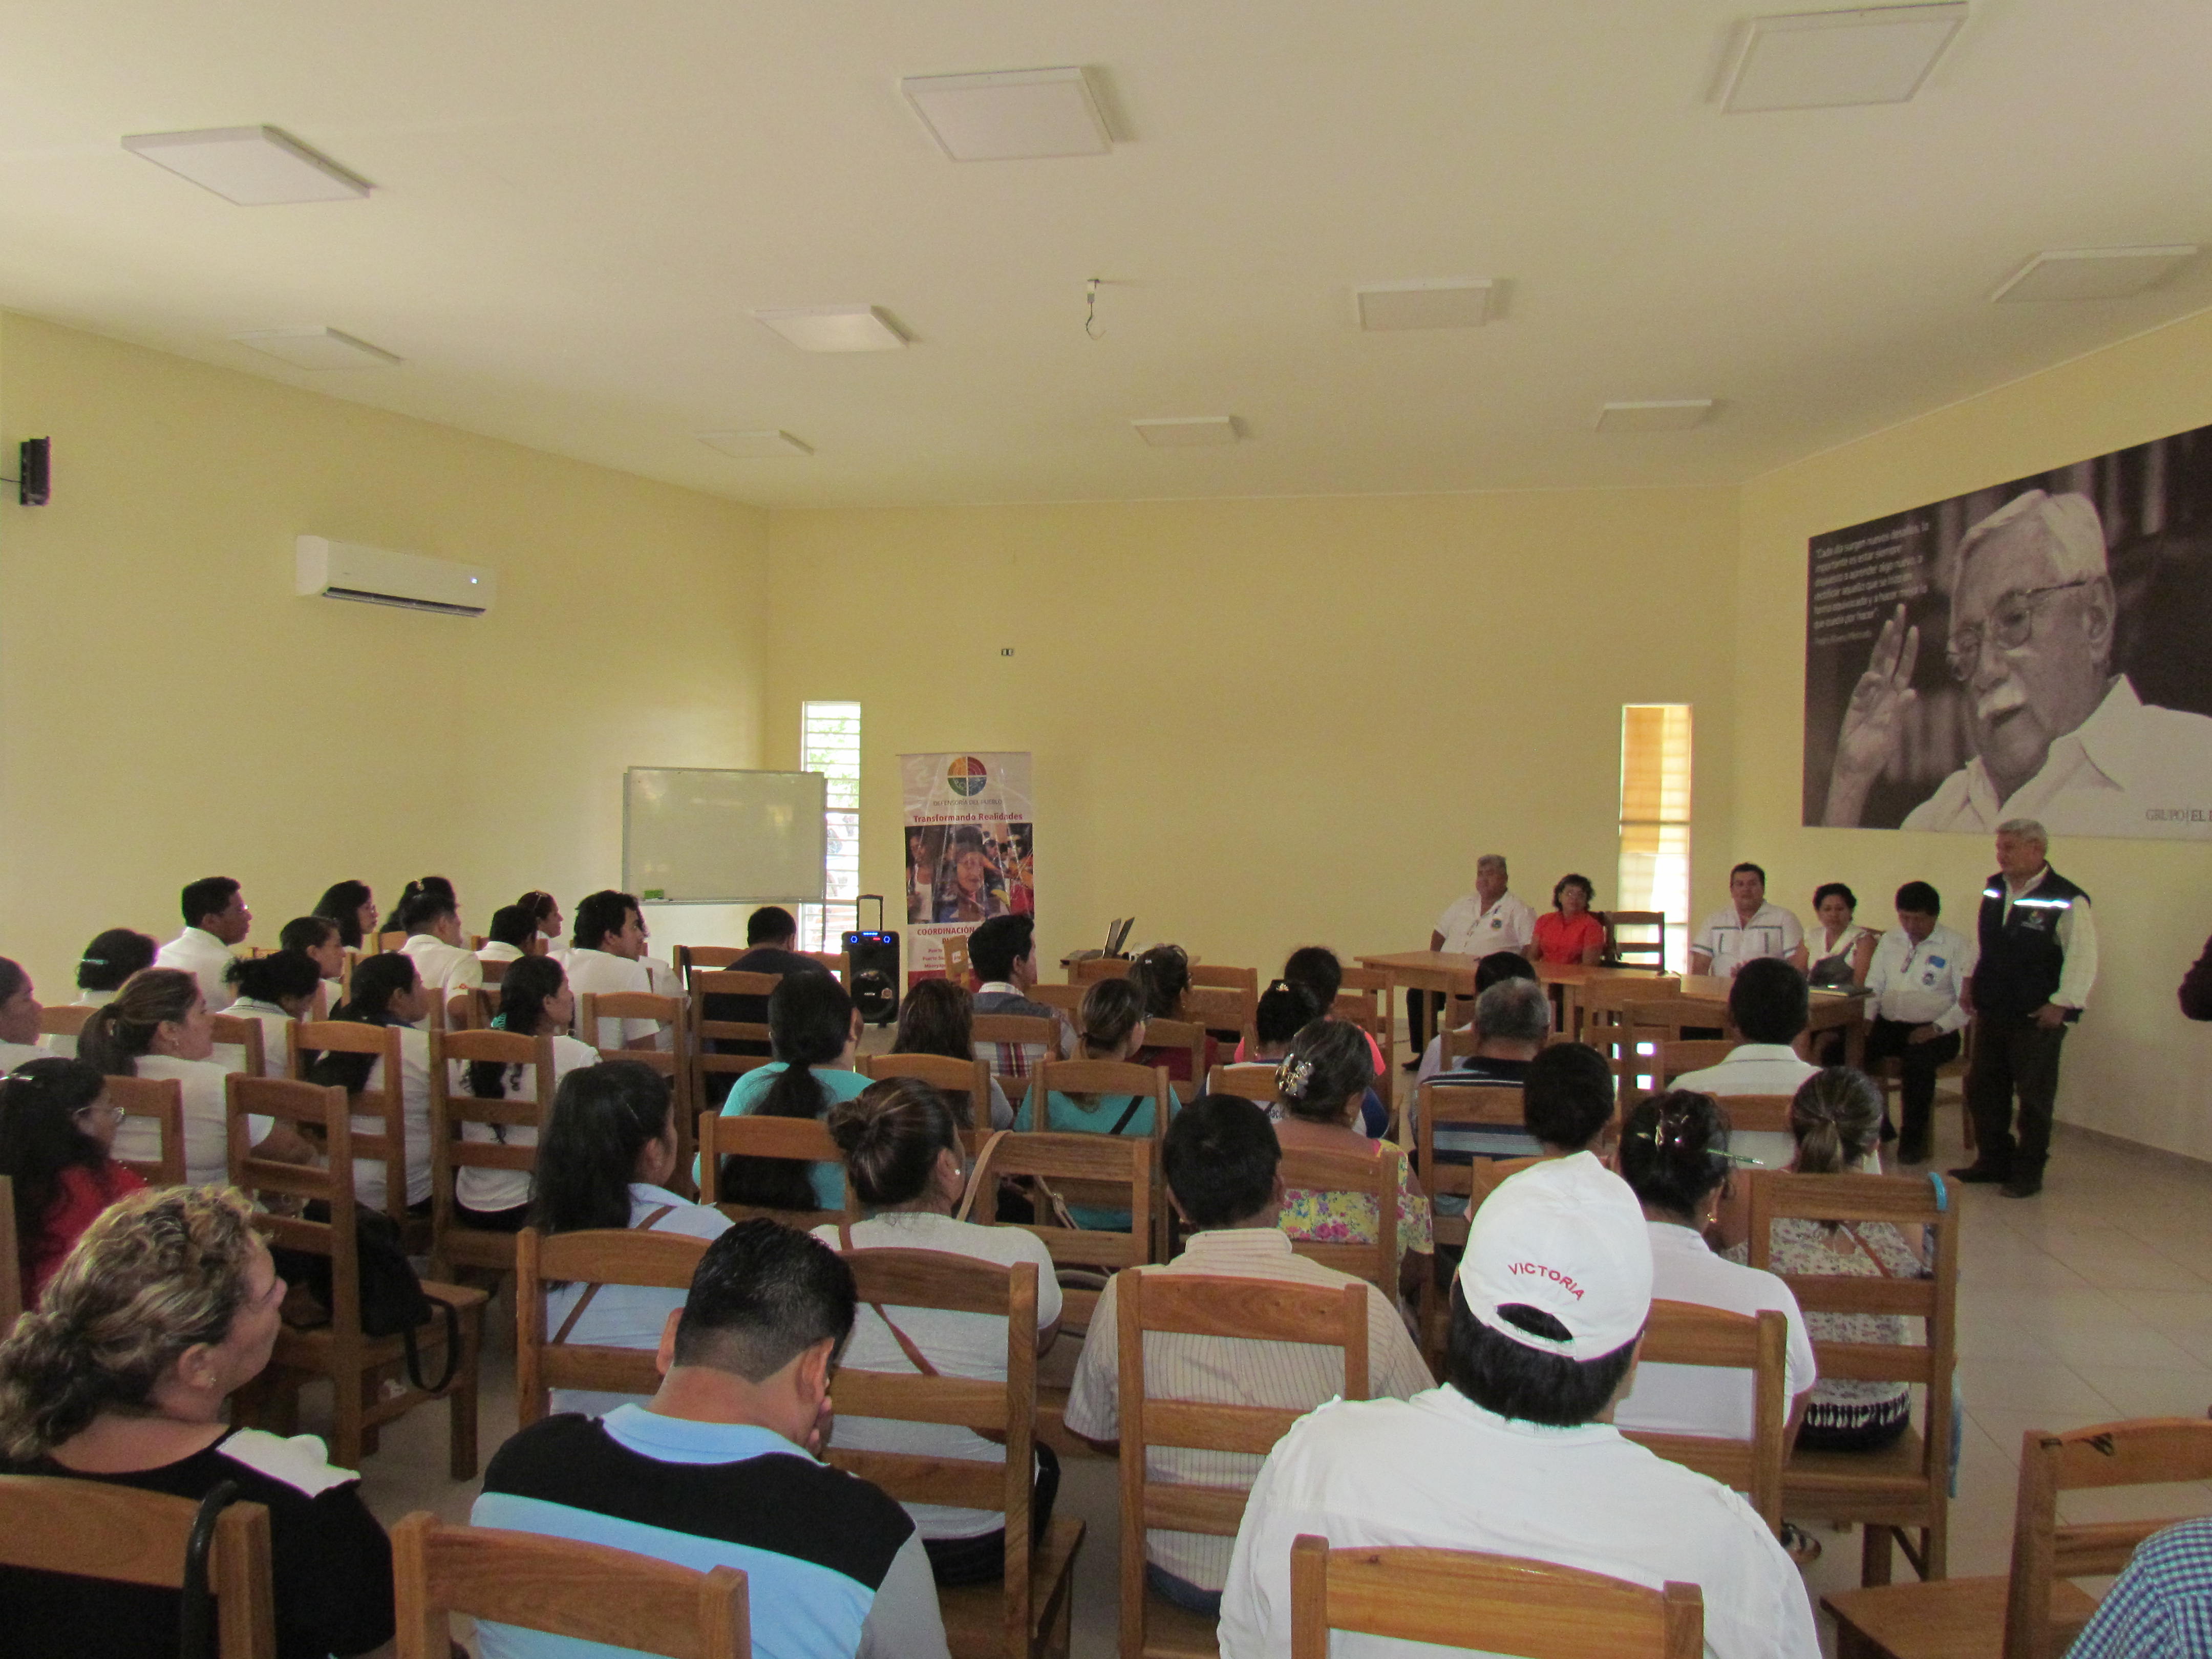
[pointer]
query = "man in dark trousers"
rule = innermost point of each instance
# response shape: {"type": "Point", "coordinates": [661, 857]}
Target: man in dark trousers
{"type": "Point", "coordinates": [2039, 959]}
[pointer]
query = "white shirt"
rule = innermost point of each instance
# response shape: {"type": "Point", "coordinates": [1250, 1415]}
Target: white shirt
{"type": "Point", "coordinates": [1731, 941]}
{"type": "Point", "coordinates": [1699, 1399]}
{"type": "Point", "coordinates": [2131, 769]}
{"type": "Point", "coordinates": [958, 1344]}
{"type": "Point", "coordinates": [480, 1189]}
{"type": "Point", "coordinates": [1438, 1471]}
{"type": "Point", "coordinates": [629, 1316]}
{"type": "Point", "coordinates": [442, 967]}
{"type": "Point", "coordinates": [61, 1043]}
{"type": "Point", "coordinates": [207, 1129]}
{"type": "Point", "coordinates": [1918, 983]}
{"type": "Point", "coordinates": [1756, 1068]}
{"type": "Point", "coordinates": [2077, 938]}
{"type": "Point", "coordinates": [206, 958]}
{"type": "Point", "coordinates": [601, 973]}
{"type": "Point", "coordinates": [13, 1054]}
{"type": "Point", "coordinates": [414, 1112]}
{"type": "Point", "coordinates": [1472, 929]}
{"type": "Point", "coordinates": [1818, 950]}
{"type": "Point", "coordinates": [274, 1020]}
{"type": "Point", "coordinates": [494, 951]}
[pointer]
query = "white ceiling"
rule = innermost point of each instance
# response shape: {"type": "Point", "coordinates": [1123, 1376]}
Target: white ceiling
{"type": "Point", "coordinates": [578, 206]}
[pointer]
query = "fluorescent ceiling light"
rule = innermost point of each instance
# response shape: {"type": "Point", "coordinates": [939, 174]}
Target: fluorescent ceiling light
{"type": "Point", "coordinates": [1816, 60]}
{"type": "Point", "coordinates": [1009, 116]}
{"type": "Point", "coordinates": [1654, 415]}
{"type": "Point", "coordinates": [835, 328]}
{"type": "Point", "coordinates": [254, 167]}
{"type": "Point", "coordinates": [1189, 431]}
{"type": "Point", "coordinates": [316, 347]}
{"type": "Point", "coordinates": [2094, 273]}
{"type": "Point", "coordinates": [756, 445]}
{"type": "Point", "coordinates": [1444, 302]}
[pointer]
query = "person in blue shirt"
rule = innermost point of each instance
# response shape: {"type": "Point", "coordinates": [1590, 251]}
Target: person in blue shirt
{"type": "Point", "coordinates": [2161, 1605]}
{"type": "Point", "coordinates": [815, 1031]}
{"type": "Point", "coordinates": [1112, 1027]}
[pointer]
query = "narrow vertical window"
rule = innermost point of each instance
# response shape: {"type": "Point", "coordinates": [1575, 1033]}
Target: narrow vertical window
{"type": "Point", "coordinates": [1655, 818]}
{"type": "Point", "coordinates": [830, 743]}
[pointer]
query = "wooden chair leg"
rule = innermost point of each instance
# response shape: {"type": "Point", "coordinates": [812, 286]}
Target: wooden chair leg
{"type": "Point", "coordinates": [350, 1440]}
{"type": "Point", "coordinates": [461, 1402]}
{"type": "Point", "coordinates": [1875, 1557]}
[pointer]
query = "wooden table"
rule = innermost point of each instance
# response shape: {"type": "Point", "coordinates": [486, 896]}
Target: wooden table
{"type": "Point", "coordinates": [1832, 1011]}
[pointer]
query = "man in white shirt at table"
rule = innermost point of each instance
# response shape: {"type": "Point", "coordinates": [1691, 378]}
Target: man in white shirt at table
{"type": "Point", "coordinates": [605, 958]}
{"type": "Point", "coordinates": [1748, 929]}
{"type": "Point", "coordinates": [1515, 1454]}
{"type": "Point", "coordinates": [1914, 984]}
{"type": "Point", "coordinates": [1477, 924]}
{"type": "Point", "coordinates": [216, 918]}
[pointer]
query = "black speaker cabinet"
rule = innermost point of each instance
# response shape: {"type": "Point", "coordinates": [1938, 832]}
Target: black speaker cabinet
{"type": "Point", "coordinates": [872, 974]}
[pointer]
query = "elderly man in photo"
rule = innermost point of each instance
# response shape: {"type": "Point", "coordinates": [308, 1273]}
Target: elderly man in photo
{"type": "Point", "coordinates": [1477, 924]}
{"type": "Point", "coordinates": [2058, 733]}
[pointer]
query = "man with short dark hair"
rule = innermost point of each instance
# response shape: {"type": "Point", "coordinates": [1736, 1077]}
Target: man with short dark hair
{"type": "Point", "coordinates": [216, 918]}
{"type": "Point", "coordinates": [721, 1467]}
{"type": "Point", "coordinates": [771, 947]}
{"type": "Point", "coordinates": [1749, 930]}
{"type": "Point", "coordinates": [605, 952]}
{"type": "Point", "coordinates": [1914, 983]}
{"type": "Point", "coordinates": [1516, 1454]}
{"type": "Point", "coordinates": [1771, 1004]}
{"type": "Point", "coordinates": [1220, 1158]}
{"type": "Point", "coordinates": [1002, 952]}
{"type": "Point", "coordinates": [1567, 1099]}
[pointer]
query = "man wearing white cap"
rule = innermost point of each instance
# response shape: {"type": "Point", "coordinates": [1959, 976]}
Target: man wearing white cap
{"type": "Point", "coordinates": [2057, 735]}
{"type": "Point", "coordinates": [1516, 1454]}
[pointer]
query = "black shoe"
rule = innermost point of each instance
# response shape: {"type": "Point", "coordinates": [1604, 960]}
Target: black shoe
{"type": "Point", "coordinates": [1888, 1130]}
{"type": "Point", "coordinates": [1413, 1064]}
{"type": "Point", "coordinates": [2023, 1186]}
{"type": "Point", "coordinates": [1914, 1151]}
{"type": "Point", "coordinates": [1977, 1174]}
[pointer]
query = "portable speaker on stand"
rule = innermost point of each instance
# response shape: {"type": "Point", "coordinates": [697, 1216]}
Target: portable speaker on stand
{"type": "Point", "coordinates": [873, 967]}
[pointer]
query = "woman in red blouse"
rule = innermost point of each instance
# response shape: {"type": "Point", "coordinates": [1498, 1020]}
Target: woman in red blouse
{"type": "Point", "coordinates": [56, 1125]}
{"type": "Point", "coordinates": [1571, 932]}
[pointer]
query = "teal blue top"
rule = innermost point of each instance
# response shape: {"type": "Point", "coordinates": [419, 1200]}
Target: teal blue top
{"type": "Point", "coordinates": [837, 1084]}
{"type": "Point", "coordinates": [1064, 1114]}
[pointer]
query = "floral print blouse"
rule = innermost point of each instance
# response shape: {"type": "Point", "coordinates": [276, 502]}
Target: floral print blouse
{"type": "Point", "coordinates": [1346, 1218]}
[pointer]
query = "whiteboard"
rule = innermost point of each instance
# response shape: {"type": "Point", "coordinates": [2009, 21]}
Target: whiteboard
{"type": "Point", "coordinates": [693, 835]}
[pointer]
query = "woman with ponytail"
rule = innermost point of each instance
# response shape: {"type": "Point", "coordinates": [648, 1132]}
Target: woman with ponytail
{"type": "Point", "coordinates": [113, 956]}
{"type": "Point", "coordinates": [276, 989]}
{"type": "Point", "coordinates": [167, 1306]}
{"type": "Point", "coordinates": [55, 1126]}
{"type": "Point", "coordinates": [814, 1030]}
{"type": "Point", "coordinates": [904, 1158]}
{"type": "Point", "coordinates": [534, 1000]}
{"type": "Point", "coordinates": [387, 991]}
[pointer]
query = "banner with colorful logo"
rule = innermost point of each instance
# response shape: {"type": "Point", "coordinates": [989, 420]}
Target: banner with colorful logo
{"type": "Point", "coordinates": [970, 852]}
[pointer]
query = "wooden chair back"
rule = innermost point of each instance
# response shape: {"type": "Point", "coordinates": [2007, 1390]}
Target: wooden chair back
{"type": "Point", "coordinates": [1647, 948]}
{"type": "Point", "coordinates": [703, 958]}
{"type": "Point", "coordinates": [1757, 1114]}
{"type": "Point", "coordinates": [750, 1136]}
{"type": "Point", "coordinates": [1252, 1080]}
{"type": "Point", "coordinates": [384, 1101]}
{"type": "Point", "coordinates": [1195, 1305]}
{"type": "Point", "coordinates": [1105, 1077]}
{"type": "Point", "coordinates": [11, 1259]}
{"type": "Point", "coordinates": [247, 1035]}
{"type": "Point", "coordinates": [956, 967]}
{"type": "Point", "coordinates": [494, 973]}
{"type": "Point", "coordinates": [1224, 1013]}
{"type": "Point", "coordinates": [611, 1255]}
{"type": "Point", "coordinates": [1463, 1104]}
{"type": "Point", "coordinates": [671, 1014]}
{"type": "Point", "coordinates": [1455, 1044]}
{"type": "Point", "coordinates": [836, 962]}
{"type": "Point", "coordinates": [119, 1534]}
{"type": "Point", "coordinates": [67, 1020]}
{"type": "Point", "coordinates": [1091, 970]}
{"type": "Point", "coordinates": [1678, 1057]}
{"type": "Point", "coordinates": [1367, 996]}
{"type": "Point", "coordinates": [483, 1006]}
{"type": "Point", "coordinates": [700, 1032]}
{"type": "Point", "coordinates": [586, 1591]}
{"type": "Point", "coordinates": [1691, 1334]}
{"type": "Point", "coordinates": [1374, 1176]}
{"type": "Point", "coordinates": [1246, 979]}
{"type": "Point", "coordinates": [453, 1241]}
{"type": "Point", "coordinates": [1120, 1170]}
{"type": "Point", "coordinates": [1604, 1001]}
{"type": "Point", "coordinates": [969, 1079]}
{"type": "Point", "coordinates": [1068, 1000]}
{"type": "Point", "coordinates": [1470, 1599]}
{"type": "Point", "coordinates": [1181, 1034]}
{"type": "Point", "coordinates": [1030, 1031]}
{"type": "Point", "coordinates": [162, 1105]}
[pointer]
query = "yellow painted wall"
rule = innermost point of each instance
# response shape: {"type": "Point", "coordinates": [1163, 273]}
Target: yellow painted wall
{"type": "Point", "coordinates": [2135, 1068]}
{"type": "Point", "coordinates": [1258, 723]}
{"type": "Point", "coordinates": [173, 710]}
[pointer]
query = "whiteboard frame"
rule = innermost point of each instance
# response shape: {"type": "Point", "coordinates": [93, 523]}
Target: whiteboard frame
{"type": "Point", "coordinates": [819, 897]}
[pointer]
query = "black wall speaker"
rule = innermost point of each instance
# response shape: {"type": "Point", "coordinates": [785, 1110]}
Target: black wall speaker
{"type": "Point", "coordinates": [31, 472]}
{"type": "Point", "coordinates": [871, 973]}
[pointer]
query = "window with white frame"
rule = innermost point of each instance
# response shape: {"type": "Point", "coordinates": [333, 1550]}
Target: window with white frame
{"type": "Point", "coordinates": [1655, 818]}
{"type": "Point", "coordinates": [830, 743]}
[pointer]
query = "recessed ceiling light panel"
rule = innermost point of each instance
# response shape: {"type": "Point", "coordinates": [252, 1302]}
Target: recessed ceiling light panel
{"type": "Point", "coordinates": [1448, 302]}
{"type": "Point", "coordinates": [1010, 115]}
{"type": "Point", "coordinates": [835, 328]}
{"type": "Point", "coordinates": [756, 445]}
{"type": "Point", "coordinates": [1654, 415]}
{"type": "Point", "coordinates": [316, 347]}
{"type": "Point", "coordinates": [1819, 59]}
{"type": "Point", "coordinates": [2094, 273]}
{"type": "Point", "coordinates": [1188, 431]}
{"type": "Point", "coordinates": [254, 167]}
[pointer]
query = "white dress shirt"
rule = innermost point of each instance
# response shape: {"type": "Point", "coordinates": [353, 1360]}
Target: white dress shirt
{"type": "Point", "coordinates": [485, 1190]}
{"type": "Point", "coordinates": [274, 1022]}
{"type": "Point", "coordinates": [1754, 1068]}
{"type": "Point", "coordinates": [494, 950]}
{"type": "Point", "coordinates": [1731, 941]}
{"type": "Point", "coordinates": [1439, 1472]}
{"type": "Point", "coordinates": [207, 1125]}
{"type": "Point", "coordinates": [369, 1187]}
{"type": "Point", "coordinates": [206, 958]}
{"type": "Point", "coordinates": [1699, 1399]}
{"type": "Point", "coordinates": [601, 973]}
{"type": "Point", "coordinates": [441, 967]}
{"type": "Point", "coordinates": [1473, 929]}
{"type": "Point", "coordinates": [629, 1315]}
{"type": "Point", "coordinates": [2077, 938]}
{"type": "Point", "coordinates": [13, 1054]}
{"type": "Point", "coordinates": [1917, 984]}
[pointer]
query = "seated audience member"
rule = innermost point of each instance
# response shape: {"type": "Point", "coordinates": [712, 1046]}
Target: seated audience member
{"type": "Point", "coordinates": [1113, 1020]}
{"type": "Point", "coordinates": [1284, 1010]}
{"type": "Point", "coordinates": [1570, 932]}
{"type": "Point", "coordinates": [323, 942]}
{"type": "Point", "coordinates": [2161, 1602]}
{"type": "Point", "coordinates": [1839, 948]}
{"type": "Point", "coordinates": [1319, 1085]}
{"type": "Point", "coordinates": [386, 992]}
{"type": "Point", "coordinates": [352, 906]}
{"type": "Point", "coordinates": [216, 918]}
{"type": "Point", "coordinates": [167, 1305]}
{"type": "Point", "coordinates": [275, 990]}
{"type": "Point", "coordinates": [1512, 1019]}
{"type": "Point", "coordinates": [1161, 974]}
{"type": "Point", "coordinates": [1003, 954]}
{"type": "Point", "coordinates": [904, 1158]}
{"type": "Point", "coordinates": [1769, 1006]}
{"type": "Point", "coordinates": [511, 936]}
{"type": "Point", "coordinates": [1749, 930]}
{"type": "Point", "coordinates": [771, 947]}
{"type": "Point", "coordinates": [544, 913]}
{"type": "Point", "coordinates": [1494, 970]}
{"type": "Point", "coordinates": [814, 1030]}
{"type": "Point", "coordinates": [20, 1009]}
{"type": "Point", "coordinates": [534, 1000]}
{"type": "Point", "coordinates": [602, 961]}
{"type": "Point", "coordinates": [609, 1153]}
{"type": "Point", "coordinates": [1835, 1118]}
{"type": "Point", "coordinates": [436, 944]}
{"type": "Point", "coordinates": [937, 1017]}
{"type": "Point", "coordinates": [159, 1027]}
{"type": "Point", "coordinates": [1220, 1160]}
{"type": "Point", "coordinates": [1514, 1455]}
{"type": "Point", "coordinates": [112, 957]}
{"type": "Point", "coordinates": [1919, 973]}
{"type": "Point", "coordinates": [1567, 1101]}
{"type": "Point", "coordinates": [722, 1467]}
{"type": "Point", "coordinates": [55, 1127]}
{"type": "Point", "coordinates": [1316, 971]}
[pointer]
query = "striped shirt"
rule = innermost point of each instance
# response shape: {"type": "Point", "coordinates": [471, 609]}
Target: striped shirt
{"type": "Point", "coordinates": [1232, 1370]}
{"type": "Point", "coordinates": [2161, 1605]}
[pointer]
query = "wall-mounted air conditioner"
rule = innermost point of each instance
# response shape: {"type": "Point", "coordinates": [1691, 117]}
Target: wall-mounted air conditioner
{"type": "Point", "coordinates": [349, 570]}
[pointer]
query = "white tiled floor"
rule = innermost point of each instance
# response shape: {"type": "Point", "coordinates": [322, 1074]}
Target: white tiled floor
{"type": "Point", "coordinates": [2090, 1303]}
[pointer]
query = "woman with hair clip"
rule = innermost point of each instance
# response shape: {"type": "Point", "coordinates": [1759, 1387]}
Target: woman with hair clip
{"type": "Point", "coordinates": [903, 1155]}
{"type": "Point", "coordinates": [387, 991]}
{"type": "Point", "coordinates": [20, 1009]}
{"type": "Point", "coordinates": [159, 1027]}
{"type": "Point", "coordinates": [112, 957]}
{"type": "Point", "coordinates": [55, 1127]}
{"type": "Point", "coordinates": [544, 913]}
{"type": "Point", "coordinates": [353, 907]}
{"type": "Point", "coordinates": [534, 999]}
{"type": "Point", "coordinates": [275, 989]}
{"type": "Point", "coordinates": [1110, 1025]}
{"type": "Point", "coordinates": [608, 1156]}
{"type": "Point", "coordinates": [1161, 974]}
{"type": "Point", "coordinates": [1319, 1085]}
{"type": "Point", "coordinates": [167, 1305]}
{"type": "Point", "coordinates": [814, 1030]}
{"type": "Point", "coordinates": [938, 1018]}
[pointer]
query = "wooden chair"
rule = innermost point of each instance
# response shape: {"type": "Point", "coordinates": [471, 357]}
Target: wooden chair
{"type": "Point", "coordinates": [704, 958]}
{"type": "Point", "coordinates": [1090, 970]}
{"type": "Point", "coordinates": [1228, 1015]}
{"type": "Point", "coordinates": [586, 1591]}
{"type": "Point", "coordinates": [970, 1080]}
{"type": "Point", "coordinates": [956, 968]}
{"type": "Point", "coordinates": [1066, 999]}
{"type": "Point", "coordinates": [1108, 1077]}
{"type": "Point", "coordinates": [483, 1006]}
{"type": "Point", "coordinates": [162, 1104]}
{"type": "Point", "coordinates": [454, 1242]}
{"type": "Point", "coordinates": [1677, 1057]}
{"type": "Point", "coordinates": [1890, 1074]}
{"type": "Point", "coordinates": [1374, 1176]}
{"type": "Point", "coordinates": [1766, 1114]}
{"type": "Point", "coordinates": [1030, 1032]}
{"type": "Point", "coordinates": [1117, 1168]}
{"type": "Point", "coordinates": [2035, 1611]}
{"type": "Point", "coordinates": [748, 1135]}
{"type": "Point", "coordinates": [11, 1259]}
{"type": "Point", "coordinates": [672, 1016]}
{"type": "Point", "coordinates": [1639, 952]}
{"type": "Point", "coordinates": [68, 1021]}
{"type": "Point", "coordinates": [839, 965]}
{"type": "Point", "coordinates": [1246, 979]}
{"type": "Point", "coordinates": [358, 1367]}
{"type": "Point", "coordinates": [1028, 1612]}
{"type": "Point", "coordinates": [1462, 1105]}
{"type": "Point", "coordinates": [1691, 1334]}
{"type": "Point", "coordinates": [1182, 1034]}
{"type": "Point", "coordinates": [1905, 1488]}
{"type": "Point", "coordinates": [386, 1101]}
{"type": "Point", "coordinates": [1191, 1304]}
{"type": "Point", "coordinates": [494, 973]}
{"type": "Point", "coordinates": [1252, 1080]}
{"type": "Point", "coordinates": [247, 1035]}
{"type": "Point", "coordinates": [1605, 1003]}
{"type": "Point", "coordinates": [119, 1534]}
{"type": "Point", "coordinates": [1367, 996]}
{"type": "Point", "coordinates": [1464, 1598]}
{"type": "Point", "coordinates": [699, 1030]}
{"type": "Point", "coordinates": [612, 1256]}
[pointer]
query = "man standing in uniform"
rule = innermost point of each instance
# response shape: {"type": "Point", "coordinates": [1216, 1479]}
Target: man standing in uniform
{"type": "Point", "coordinates": [2039, 959]}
